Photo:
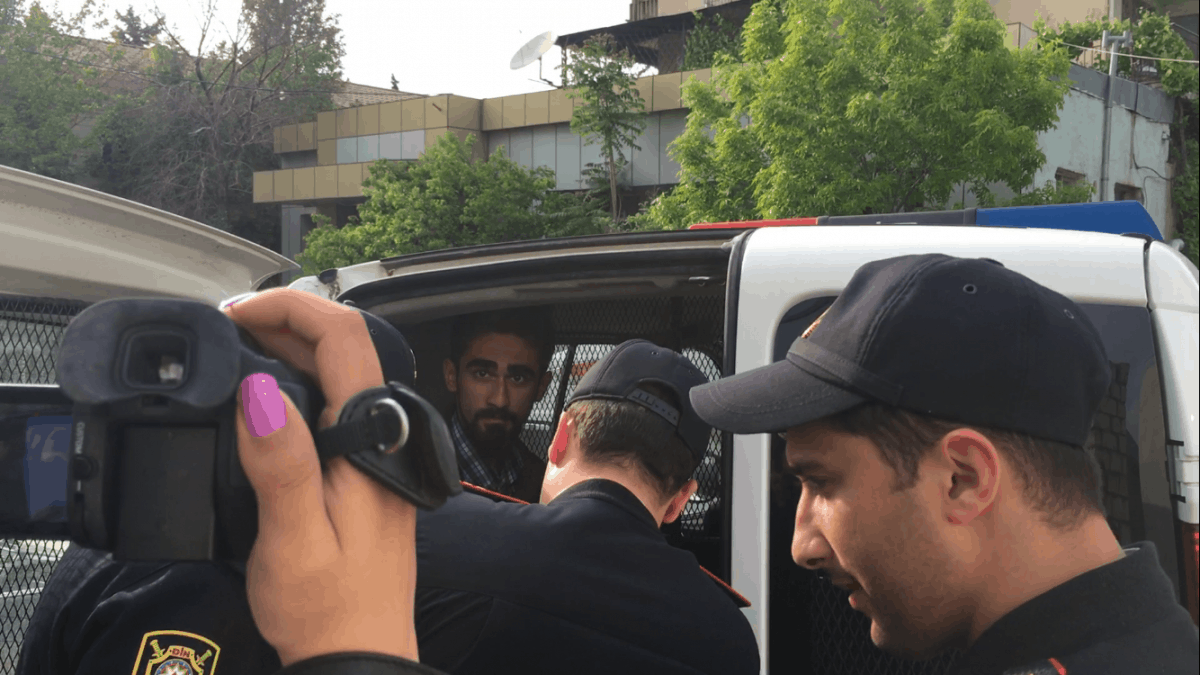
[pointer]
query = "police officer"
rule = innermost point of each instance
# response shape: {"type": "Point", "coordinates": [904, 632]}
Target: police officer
{"type": "Point", "coordinates": [938, 417]}
{"type": "Point", "coordinates": [585, 582]}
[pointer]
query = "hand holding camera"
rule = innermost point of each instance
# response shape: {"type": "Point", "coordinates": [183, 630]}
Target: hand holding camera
{"type": "Point", "coordinates": [200, 434]}
{"type": "Point", "coordinates": [355, 537]}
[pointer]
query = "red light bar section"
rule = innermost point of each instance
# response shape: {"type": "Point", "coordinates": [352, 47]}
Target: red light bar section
{"type": "Point", "coordinates": [746, 224]}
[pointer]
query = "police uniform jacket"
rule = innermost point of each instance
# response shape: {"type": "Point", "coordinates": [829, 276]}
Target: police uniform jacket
{"type": "Point", "coordinates": [1122, 618]}
{"type": "Point", "coordinates": [585, 584]}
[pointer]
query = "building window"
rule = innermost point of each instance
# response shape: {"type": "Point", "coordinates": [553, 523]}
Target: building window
{"type": "Point", "coordinates": [1064, 177]}
{"type": "Point", "coordinates": [1123, 192]}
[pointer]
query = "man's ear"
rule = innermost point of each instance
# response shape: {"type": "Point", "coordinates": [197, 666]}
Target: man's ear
{"type": "Point", "coordinates": [544, 384]}
{"type": "Point", "coordinates": [974, 467]}
{"type": "Point", "coordinates": [679, 501]}
{"type": "Point", "coordinates": [450, 373]}
{"type": "Point", "coordinates": [557, 454]}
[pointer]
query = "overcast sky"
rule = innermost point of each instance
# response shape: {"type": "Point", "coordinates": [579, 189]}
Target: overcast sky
{"type": "Point", "coordinates": [463, 46]}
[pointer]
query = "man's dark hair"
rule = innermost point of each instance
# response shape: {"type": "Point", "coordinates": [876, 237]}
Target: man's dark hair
{"type": "Point", "coordinates": [532, 325]}
{"type": "Point", "coordinates": [627, 435]}
{"type": "Point", "coordinates": [1059, 481]}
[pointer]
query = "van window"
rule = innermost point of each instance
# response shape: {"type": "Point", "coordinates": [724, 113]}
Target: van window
{"type": "Point", "coordinates": [811, 624]}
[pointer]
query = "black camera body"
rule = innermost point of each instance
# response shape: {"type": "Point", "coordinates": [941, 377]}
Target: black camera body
{"type": "Point", "coordinates": [154, 472]}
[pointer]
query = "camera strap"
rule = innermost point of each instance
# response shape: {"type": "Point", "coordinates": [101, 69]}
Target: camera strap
{"type": "Point", "coordinates": [396, 437]}
{"type": "Point", "coordinates": [370, 420]}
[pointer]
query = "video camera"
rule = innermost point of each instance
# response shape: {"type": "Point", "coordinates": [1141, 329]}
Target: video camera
{"type": "Point", "coordinates": [153, 470]}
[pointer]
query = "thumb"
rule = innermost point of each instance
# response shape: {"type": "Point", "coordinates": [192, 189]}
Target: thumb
{"type": "Point", "coordinates": [279, 457]}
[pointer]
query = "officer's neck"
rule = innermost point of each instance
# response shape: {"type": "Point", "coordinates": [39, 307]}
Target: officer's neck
{"type": "Point", "coordinates": [575, 472]}
{"type": "Point", "coordinates": [1036, 559]}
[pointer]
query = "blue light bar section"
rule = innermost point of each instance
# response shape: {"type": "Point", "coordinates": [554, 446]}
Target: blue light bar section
{"type": "Point", "coordinates": [1111, 217]}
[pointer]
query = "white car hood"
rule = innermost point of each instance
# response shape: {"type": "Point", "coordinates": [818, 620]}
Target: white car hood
{"type": "Point", "coordinates": [65, 241]}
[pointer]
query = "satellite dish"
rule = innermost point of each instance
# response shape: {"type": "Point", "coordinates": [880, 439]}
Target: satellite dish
{"type": "Point", "coordinates": [532, 51]}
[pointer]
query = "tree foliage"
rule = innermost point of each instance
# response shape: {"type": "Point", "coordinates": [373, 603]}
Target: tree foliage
{"type": "Point", "coordinates": [133, 32]}
{"type": "Point", "coordinates": [612, 113]}
{"type": "Point", "coordinates": [857, 106]}
{"type": "Point", "coordinates": [48, 89]}
{"type": "Point", "coordinates": [1152, 36]}
{"type": "Point", "coordinates": [707, 39]}
{"type": "Point", "coordinates": [191, 141]}
{"type": "Point", "coordinates": [445, 200]}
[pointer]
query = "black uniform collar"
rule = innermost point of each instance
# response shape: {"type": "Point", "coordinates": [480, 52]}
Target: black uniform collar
{"type": "Point", "coordinates": [1095, 606]}
{"type": "Point", "coordinates": [608, 491]}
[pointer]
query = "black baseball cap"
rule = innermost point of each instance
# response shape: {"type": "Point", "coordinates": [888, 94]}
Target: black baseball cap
{"type": "Point", "coordinates": [620, 374]}
{"type": "Point", "coordinates": [962, 339]}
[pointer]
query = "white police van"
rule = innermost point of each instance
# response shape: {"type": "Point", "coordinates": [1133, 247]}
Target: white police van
{"type": "Point", "coordinates": [732, 297]}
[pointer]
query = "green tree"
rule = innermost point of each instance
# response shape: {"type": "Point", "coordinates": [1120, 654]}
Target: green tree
{"type": "Point", "coordinates": [48, 89]}
{"type": "Point", "coordinates": [191, 141]}
{"type": "Point", "coordinates": [613, 114]}
{"type": "Point", "coordinates": [445, 200]}
{"type": "Point", "coordinates": [707, 39]}
{"type": "Point", "coordinates": [133, 32]}
{"type": "Point", "coordinates": [855, 106]}
{"type": "Point", "coordinates": [1152, 36]}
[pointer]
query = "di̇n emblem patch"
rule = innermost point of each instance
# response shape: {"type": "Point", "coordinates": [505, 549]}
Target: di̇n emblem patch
{"type": "Point", "coordinates": [173, 652]}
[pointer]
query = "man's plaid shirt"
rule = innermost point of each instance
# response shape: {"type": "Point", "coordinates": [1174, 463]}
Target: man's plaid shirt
{"type": "Point", "coordinates": [474, 470]}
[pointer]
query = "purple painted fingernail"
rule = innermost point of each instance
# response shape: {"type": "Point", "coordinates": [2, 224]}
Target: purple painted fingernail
{"type": "Point", "coordinates": [265, 412]}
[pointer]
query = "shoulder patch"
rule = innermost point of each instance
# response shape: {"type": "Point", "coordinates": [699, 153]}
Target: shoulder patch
{"type": "Point", "coordinates": [173, 652]}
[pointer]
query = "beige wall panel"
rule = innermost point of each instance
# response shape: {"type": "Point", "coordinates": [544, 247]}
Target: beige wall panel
{"type": "Point", "coordinates": [464, 113]}
{"type": "Point", "coordinates": [306, 136]}
{"type": "Point", "coordinates": [702, 75]}
{"type": "Point", "coordinates": [349, 180]}
{"type": "Point", "coordinates": [432, 135]}
{"type": "Point", "coordinates": [1026, 11]}
{"type": "Point", "coordinates": [493, 114]}
{"type": "Point", "coordinates": [514, 111]}
{"type": "Point", "coordinates": [391, 117]}
{"type": "Point", "coordinates": [412, 115]}
{"type": "Point", "coordinates": [326, 125]}
{"type": "Point", "coordinates": [537, 108]}
{"type": "Point", "coordinates": [327, 152]}
{"type": "Point", "coordinates": [304, 184]}
{"type": "Point", "coordinates": [264, 187]}
{"type": "Point", "coordinates": [560, 107]}
{"type": "Point", "coordinates": [283, 185]}
{"type": "Point", "coordinates": [669, 7]}
{"type": "Point", "coordinates": [347, 122]}
{"type": "Point", "coordinates": [278, 134]}
{"type": "Point", "coordinates": [645, 87]}
{"type": "Point", "coordinates": [327, 181]}
{"type": "Point", "coordinates": [287, 138]}
{"type": "Point", "coordinates": [368, 120]}
{"type": "Point", "coordinates": [436, 112]}
{"type": "Point", "coordinates": [666, 91]}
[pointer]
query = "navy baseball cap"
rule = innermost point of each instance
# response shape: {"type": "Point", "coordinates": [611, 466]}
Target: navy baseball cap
{"type": "Point", "coordinates": [961, 339]}
{"type": "Point", "coordinates": [620, 374]}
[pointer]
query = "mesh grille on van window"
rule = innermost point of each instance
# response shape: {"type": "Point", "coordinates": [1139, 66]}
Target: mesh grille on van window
{"type": "Point", "coordinates": [31, 331]}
